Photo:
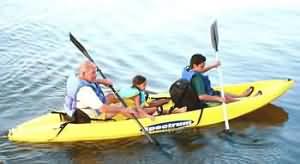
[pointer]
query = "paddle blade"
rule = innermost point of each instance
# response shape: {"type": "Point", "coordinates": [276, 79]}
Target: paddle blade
{"type": "Point", "coordinates": [214, 35]}
{"type": "Point", "coordinates": [80, 47]}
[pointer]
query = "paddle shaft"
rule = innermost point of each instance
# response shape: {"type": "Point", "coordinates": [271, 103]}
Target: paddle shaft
{"type": "Point", "coordinates": [85, 53]}
{"type": "Point", "coordinates": [222, 93]}
{"type": "Point", "coordinates": [215, 45]}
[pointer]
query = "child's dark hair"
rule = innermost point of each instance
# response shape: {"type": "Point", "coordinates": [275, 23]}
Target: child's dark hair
{"type": "Point", "coordinates": [197, 59]}
{"type": "Point", "coordinates": [137, 80]}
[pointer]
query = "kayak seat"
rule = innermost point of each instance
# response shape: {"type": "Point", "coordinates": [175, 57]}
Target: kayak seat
{"type": "Point", "coordinates": [64, 117]}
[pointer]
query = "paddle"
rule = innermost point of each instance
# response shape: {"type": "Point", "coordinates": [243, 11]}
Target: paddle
{"type": "Point", "coordinates": [215, 44]}
{"type": "Point", "coordinates": [85, 53]}
{"type": "Point", "coordinates": [228, 134]}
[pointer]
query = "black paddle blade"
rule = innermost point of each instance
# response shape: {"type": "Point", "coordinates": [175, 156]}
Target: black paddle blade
{"type": "Point", "coordinates": [214, 35]}
{"type": "Point", "coordinates": [80, 47]}
{"type": "Point", "coordinates": [84, 52]}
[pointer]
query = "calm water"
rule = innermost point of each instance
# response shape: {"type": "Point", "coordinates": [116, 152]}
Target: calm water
{"type": "Point", "coordinates": [156, 39]}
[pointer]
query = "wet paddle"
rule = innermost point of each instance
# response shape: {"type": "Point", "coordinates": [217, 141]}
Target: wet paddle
{"type": "Point", "coordinates": [215, 44]}
{"type": "Point", "coordinates": [227, 134]}
{"type": "Point", "coordinates": [85, 53]}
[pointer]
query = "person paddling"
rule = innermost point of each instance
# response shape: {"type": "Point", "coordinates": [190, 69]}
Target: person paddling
{"type": "Point", "coordinates": [193, 90]}
{"type": "Point", "coordinates": [86, 98]}
{"type": "Point", "coordinates": [201, 83]}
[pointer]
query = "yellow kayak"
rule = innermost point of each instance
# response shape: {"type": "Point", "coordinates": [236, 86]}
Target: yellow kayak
{"type": "Point", "coordinates": [45, 128]}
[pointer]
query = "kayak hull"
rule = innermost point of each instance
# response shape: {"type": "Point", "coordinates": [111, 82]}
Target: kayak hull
{"type": "Point", "coordinates": [45, 128]}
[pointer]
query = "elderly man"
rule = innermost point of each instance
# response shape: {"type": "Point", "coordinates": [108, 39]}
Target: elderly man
{"type": "Point", "coordinates": [85, 96]}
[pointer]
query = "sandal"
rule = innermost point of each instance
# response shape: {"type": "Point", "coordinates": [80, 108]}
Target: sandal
{"type": "Point", "coordinates": [258, 93]}
{"type": "Point", "coordinates": [250, 91]}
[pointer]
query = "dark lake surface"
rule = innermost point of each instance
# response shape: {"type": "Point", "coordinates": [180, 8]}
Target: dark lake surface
{"type": "Point", "coordinates": [154, 38]}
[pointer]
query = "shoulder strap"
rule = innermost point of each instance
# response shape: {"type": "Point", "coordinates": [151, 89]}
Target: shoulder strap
{"type": "Point", "coordinates": [97, 89]}
{"type": "Point", "coordinates": [187, 74]}
{"type": "Point", "coordinates": [143, 96]}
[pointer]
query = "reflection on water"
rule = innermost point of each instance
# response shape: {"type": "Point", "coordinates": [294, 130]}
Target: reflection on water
{"type": "Point", "coordinates": [245, 127]}
{"type": "Point", "coordinates": [269, 115]}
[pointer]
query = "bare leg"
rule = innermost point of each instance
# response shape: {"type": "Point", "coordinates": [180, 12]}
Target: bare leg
{"type": "Point", "coordinates": [112, 110]}
{"type": "Point", "coordinates": [152, 107]}
{"type": "Point", "coordinates": [159, 102]}
{"type": "Point", "coordinates": [246, 93]}
{"type": "Point", "coordinates": [143, 114]}
{"type": "Point", "coordinates": [229, 99]}
{"type": "Point", "coordinates": [150, 110]}
{"type": "Point", "coordinates": [111, 115]}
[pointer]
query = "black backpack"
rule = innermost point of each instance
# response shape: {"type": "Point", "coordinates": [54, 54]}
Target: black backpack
{"type": "Point", "coordinates": [182, 94]}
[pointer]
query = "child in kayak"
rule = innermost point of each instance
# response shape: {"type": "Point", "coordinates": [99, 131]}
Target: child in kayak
{"type": "Point", "coordinates": [136, 96]}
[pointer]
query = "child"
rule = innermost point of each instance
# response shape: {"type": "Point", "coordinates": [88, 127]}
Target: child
{"type": "Point", "coordinates": [135, 96]}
